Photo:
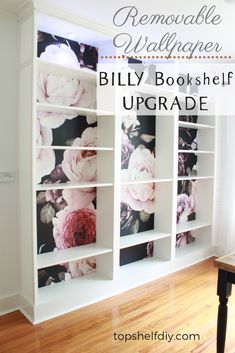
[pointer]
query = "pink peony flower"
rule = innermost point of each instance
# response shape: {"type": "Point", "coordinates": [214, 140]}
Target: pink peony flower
{"type": "Point", "coordinates": [88, 138]}
{"type": "Point", "coordinates": [64, 90]}
{"type": "Point", "coordinates": [185, 206]}
{"type": "Point", "coordinates": [82, 267]}
{"type": "Point", "coordinates": [78, 198]}
{"type": "Point", "coordinates": [53, 120]}
{"type": "Point", "coordinates": [60, 54]}
{"type": "Point", "coordinates": [79, 165]}
{"type": "Point", "coordinates": [74, 228]}
{"type": "Point", "coordinates": [141, 167]}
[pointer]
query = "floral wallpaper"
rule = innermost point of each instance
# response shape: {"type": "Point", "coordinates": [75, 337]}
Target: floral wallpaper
{"type": "Point", "coordinates": [187, 162]}
{"type": "Point", "coordinates": [138, 142]}
{"type": "Point", "coordinates": [188, 118]}
{"type": "Point", "coordinates": [54, 274]}
{"type": "Point", "coordinates": [66, 51]}
{"type": "Point", "coordinates": [182, 239]}
{"type": "Point", "coordinates": [186, 205]}
{"type": "Point", "coordinates": [136, 253]}
{"type": "Point", "coordinates": [65, 129]}
{"type": "Point", "coordinates": [65, 219]}
{"type": "Point", "coordinates": [187, 139]}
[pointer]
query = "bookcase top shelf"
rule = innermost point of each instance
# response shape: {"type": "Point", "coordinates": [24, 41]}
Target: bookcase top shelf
{"type": "Point", "coordinates": [54, 108]}
{"type": "Point", "coordinates": [62, 70]}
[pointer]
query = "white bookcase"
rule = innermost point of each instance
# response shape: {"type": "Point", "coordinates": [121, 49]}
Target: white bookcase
{"type": "Point", "coordinates": [39, 304]}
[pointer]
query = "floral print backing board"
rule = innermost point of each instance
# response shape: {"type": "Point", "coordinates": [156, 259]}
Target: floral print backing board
{"type": "Point", "coordinates": [63, 90]}
{"type": "Point", "coordinates": [187, 164]}
{"type": "Point", "coordinates": [66, 51]}
{"type": "Point", "coordinates": [183, 239]}
{"type": "Point", "coordinates": [61, 166]}
{"type": "Point", "coordinates": [137, 200]}
{"type": "Point", "coordinates": [186, 201]}
{"type": "Point", "coordinates": [136, 253]}
{"type": "Point", "coordinates": [187, 139]}
{"type": "Point", "coordinates": [188, 118]}
{"type": "Point", "coordinates": [65, 219]}
{"type": "Point", "coordinates": [54, 274]}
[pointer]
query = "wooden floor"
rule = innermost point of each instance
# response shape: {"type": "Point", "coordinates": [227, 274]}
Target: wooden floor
{"type": "Point", "coordinates": [184, 302]}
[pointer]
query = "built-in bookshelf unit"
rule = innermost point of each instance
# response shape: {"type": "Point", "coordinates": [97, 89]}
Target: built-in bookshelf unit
{"type": "Point", "coordinates": [106, 203]}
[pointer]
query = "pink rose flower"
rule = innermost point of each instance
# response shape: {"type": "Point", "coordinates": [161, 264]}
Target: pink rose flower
{"type": "Point", "coordinates": [60, 54]}
{"type": "Point", "coordinates": [78, 198]}
{"type": "Point", "coordinates": [64, 90]}
{"type": "Point", "coordinates": [80, 165]}
{"type": "Point", "coordinates": [185, 206]}
{"type": "Point", "coordinates": [61, 90]}
{"type": "Point", "coordinates": [82, 267]}
{"type": "Point", "coordinates": [141, 167]}
{"type": "Point", "coordinates": [53, 120]}
{"type": "Point", "coordinates": [74, 228]}
{"type": "Point", "coordinates": [88, 138]}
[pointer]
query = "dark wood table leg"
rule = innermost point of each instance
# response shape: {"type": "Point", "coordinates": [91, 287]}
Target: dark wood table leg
{"type": "Point", "coordinates": [224, 289]}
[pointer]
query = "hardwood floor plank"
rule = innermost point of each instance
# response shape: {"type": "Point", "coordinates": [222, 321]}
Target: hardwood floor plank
{"type": "Point", "coordinates": [181, 303]}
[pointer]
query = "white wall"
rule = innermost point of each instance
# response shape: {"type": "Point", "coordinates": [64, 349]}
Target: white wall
{"type": "Point", "coordinates": [225, 195]}
{"type": "Point", "coordinates": [9, 246]}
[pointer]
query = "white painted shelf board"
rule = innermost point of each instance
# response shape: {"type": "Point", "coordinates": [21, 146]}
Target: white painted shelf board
{"type": "Point", "coordinates": [94, 285]}
{"type": "Point", "coordinates": [196, 151]}
{"type": "Point", "coordinates": [72, 254]}
{"type": "Point", "coordinates": [195, 177]}
{"type": "Point", "coordinates": [56, 108]}
{"type": "Point", "coordinates": [85, 283]}
{"type": "Point", "coordinates": [145, 181]}
{"type": "Point", "coordinates": [75, 148]}
{"type": "Point", "coordinates": [140, 238]}
{"type": "Point", "coordinates": [194, 125]}
{"type": "Point", "coordinates": [192, 225]}
{"type": "Point", "coordinates": [189, 249]}
{"type": "Point", "coordinates": [62, 70]}
{"type": "Point", "coordinates": [60, 186]}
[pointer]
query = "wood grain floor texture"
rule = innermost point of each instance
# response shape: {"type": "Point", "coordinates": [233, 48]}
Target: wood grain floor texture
{"type": "Point", "coordinates": [184, 302]}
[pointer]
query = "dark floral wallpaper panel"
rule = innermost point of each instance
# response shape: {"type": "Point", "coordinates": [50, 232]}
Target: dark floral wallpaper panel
{"type": "Point", "coordinates": [65, 218]}
{"type": "Point", "coordinates": [137, 200]}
